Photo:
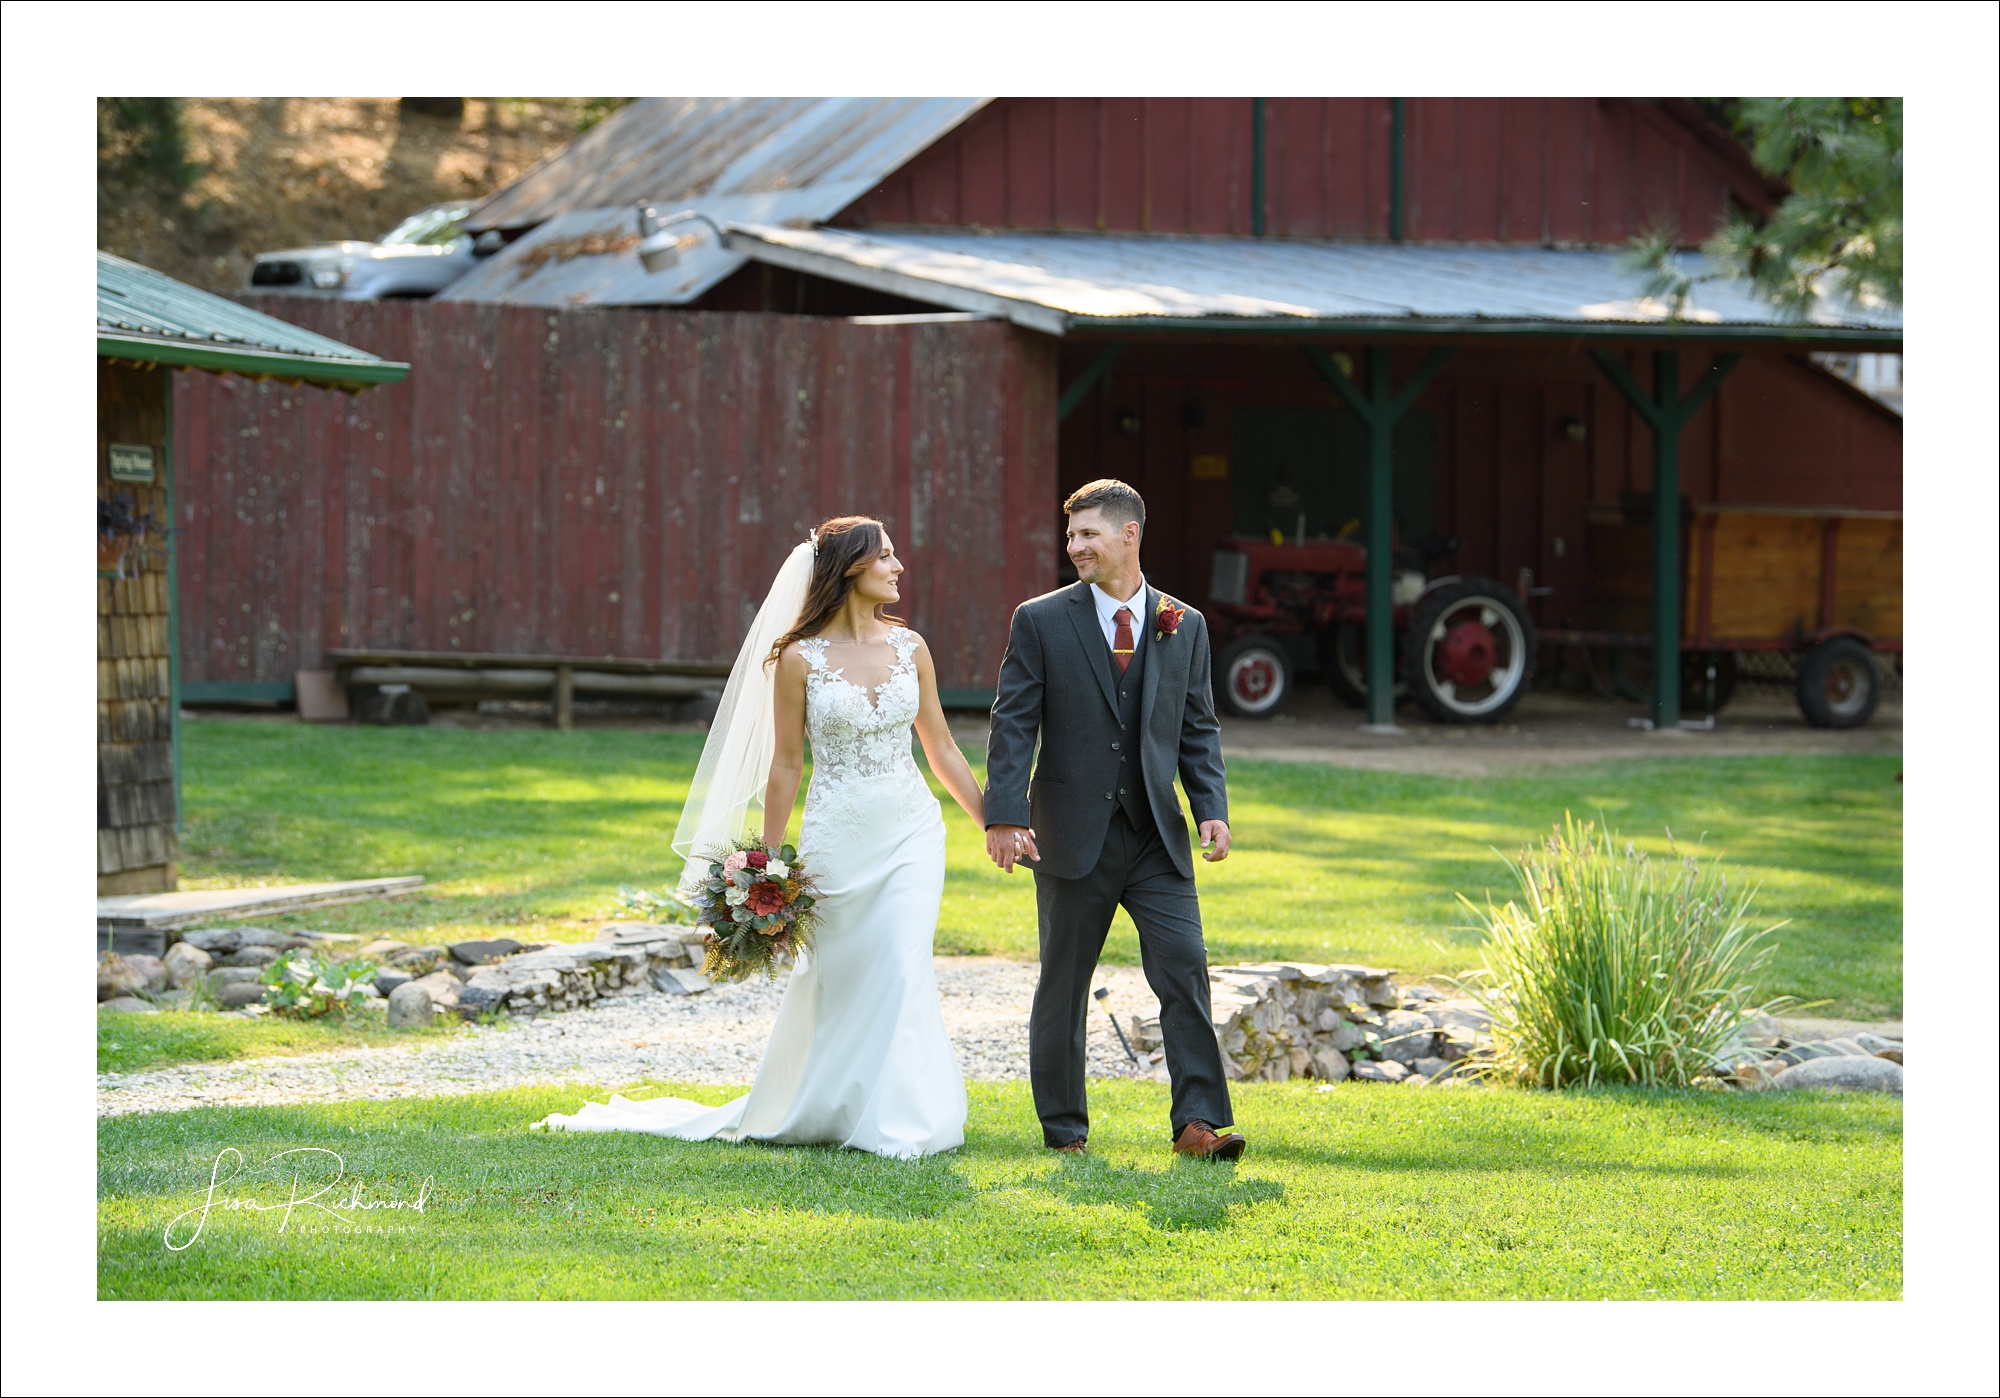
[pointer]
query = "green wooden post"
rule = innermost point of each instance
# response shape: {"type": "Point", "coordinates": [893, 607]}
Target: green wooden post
{"type": "Point", "coordinates": [1380, 410]}
{"type": "Point", "coordinates": [1666, 412]}
{"type": "Point", "coordinates": [1667, 542]}
{"type": "Point", "coordinates": [1377, 535]}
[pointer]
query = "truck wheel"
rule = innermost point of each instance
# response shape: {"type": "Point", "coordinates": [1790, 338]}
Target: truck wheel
{"type": "Point", "coordinates": [1344, 652]}
{"type": "Point", "coordinates": [1256, 677]}
{"type": "Point", "coordinates": [1839, 684]}
{"type": "Point", "coordinates": [1470, 651]}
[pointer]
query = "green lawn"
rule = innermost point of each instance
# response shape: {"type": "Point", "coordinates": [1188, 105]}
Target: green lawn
{"type": "Point", "coordinates": [128, 1042]}
{"type": "Point", "coordinates": [1362, 1192]}
{"type": "Point", "coordinates": [529, 833]}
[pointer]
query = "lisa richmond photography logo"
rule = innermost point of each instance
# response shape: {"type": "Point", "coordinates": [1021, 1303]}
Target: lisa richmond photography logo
{"type": "Point", "coordinates": [305, 1191]}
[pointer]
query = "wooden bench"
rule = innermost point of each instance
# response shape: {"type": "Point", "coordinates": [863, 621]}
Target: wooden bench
{"type": "Point", "coordinates": [455, 675]}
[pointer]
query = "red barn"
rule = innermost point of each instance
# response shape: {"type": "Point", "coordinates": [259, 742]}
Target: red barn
{"type": "Point", "coordinates": [1381, 316]}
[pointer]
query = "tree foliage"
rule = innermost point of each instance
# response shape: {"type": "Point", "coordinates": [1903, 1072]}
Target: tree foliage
{"type": "Point", "coordinates": [1840, 229]}
{"type": "Point", "coordinates": [142, 147]}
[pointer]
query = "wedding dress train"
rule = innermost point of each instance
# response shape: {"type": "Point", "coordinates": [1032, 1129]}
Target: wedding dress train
{"type": "Point", "coordinates": [858, 1056]}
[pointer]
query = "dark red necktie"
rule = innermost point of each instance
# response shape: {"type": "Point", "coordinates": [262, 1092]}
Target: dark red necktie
{"type": "Point", "coordinates": [1121, 644]}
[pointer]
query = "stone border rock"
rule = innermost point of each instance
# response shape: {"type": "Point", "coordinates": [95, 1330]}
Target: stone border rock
{"type": "Point", "coordinates": [1278, 1020]}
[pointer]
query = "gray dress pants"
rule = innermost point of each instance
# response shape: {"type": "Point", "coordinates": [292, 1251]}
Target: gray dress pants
{"type": "Point", "coordinates": [1075, 915]}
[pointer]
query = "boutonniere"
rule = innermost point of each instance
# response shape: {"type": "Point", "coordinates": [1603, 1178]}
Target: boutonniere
{"type": "Point", "coordinates": [1168, 620]}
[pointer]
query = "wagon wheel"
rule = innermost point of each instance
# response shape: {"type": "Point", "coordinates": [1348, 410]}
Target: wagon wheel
{"type": "Point", "coordinates": [1839, 684]}
{"type": "Point", "coordinates": [1345, 662]}
{"type": "Point", "coordinates": [1470, 651]}
{"type": "Point", "coordinates": [1256, 677]}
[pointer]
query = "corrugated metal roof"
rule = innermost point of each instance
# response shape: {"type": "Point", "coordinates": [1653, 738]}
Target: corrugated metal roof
{"type": "Point", "coordinates": [777, 160]}
{"type": "Point", "coordinates": [148, 316]}
{"type": "Point", "coordinates": [1057, 282]}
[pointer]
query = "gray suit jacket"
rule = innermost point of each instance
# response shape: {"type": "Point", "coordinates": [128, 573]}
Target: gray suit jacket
{"type": "Point", "coordinates": [1057, 683]}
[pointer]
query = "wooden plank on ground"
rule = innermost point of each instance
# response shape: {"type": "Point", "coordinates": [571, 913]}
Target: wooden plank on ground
{"type": "Point", "coordinates": [188, 906]}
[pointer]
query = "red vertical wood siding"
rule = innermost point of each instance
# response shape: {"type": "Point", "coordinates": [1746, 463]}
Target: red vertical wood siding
{"type": "Point", "coordinates": [1509, 481]}
{"type": "Point", "coordinates": [605, 482]}
{"type": "Point", "coordinates": [1477, 169]}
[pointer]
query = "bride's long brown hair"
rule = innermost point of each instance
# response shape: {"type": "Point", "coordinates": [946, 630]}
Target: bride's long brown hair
{"type": "Point", "coordinates": [847, 545]}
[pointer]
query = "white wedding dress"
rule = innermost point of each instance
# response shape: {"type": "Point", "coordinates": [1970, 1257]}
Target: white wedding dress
{"type": "Point", "coordinates": [858, 1056]}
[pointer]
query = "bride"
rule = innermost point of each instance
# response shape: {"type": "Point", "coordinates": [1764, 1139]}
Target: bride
{"type": "Point", "coordinates": [858, 1056]}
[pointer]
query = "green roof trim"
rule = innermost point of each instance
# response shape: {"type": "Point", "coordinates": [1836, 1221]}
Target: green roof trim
{"type": "Point", "coordinates": [148, 317]}
{"type": "Point", "coordinates": [252, 362]}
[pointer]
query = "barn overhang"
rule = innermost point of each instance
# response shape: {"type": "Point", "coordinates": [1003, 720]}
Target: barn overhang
{"type": "Point", "coordinates": [1111, 285]}
{"type": "Point", "coordinates": [146, 317]}
{"type": "Point", "coordinates": [1116, 288]}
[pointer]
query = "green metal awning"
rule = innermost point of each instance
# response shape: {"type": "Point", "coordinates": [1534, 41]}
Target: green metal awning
{"type": "Point", "coordinates": [149, 318]}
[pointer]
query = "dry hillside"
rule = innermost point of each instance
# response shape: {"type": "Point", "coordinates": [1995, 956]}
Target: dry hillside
{"type": "Point", "coordinates": [278, 172]}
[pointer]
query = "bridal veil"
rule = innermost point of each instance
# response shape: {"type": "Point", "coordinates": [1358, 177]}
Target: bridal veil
{"type": "Point", "coordinates": [736, 760]}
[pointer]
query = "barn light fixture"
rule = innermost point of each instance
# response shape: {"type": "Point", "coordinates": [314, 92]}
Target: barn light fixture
{"type": "Point", "coordinates": [660, 248]}
{"type": "Point", "coordinates": [1573, 428]}
{"type": "Point", "coordinates": [1128, 422]}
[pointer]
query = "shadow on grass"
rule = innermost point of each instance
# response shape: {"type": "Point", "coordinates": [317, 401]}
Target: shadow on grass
{"type": "Point", "coordinates": [1186, 1196]}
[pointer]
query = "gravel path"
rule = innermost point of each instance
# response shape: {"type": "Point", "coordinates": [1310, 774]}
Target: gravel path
{"type": "Point", "coordinates": [715, 1037]}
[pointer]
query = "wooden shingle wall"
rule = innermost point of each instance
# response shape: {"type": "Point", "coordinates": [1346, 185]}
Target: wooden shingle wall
{"type": "Point", "coordinates": [137, 849]}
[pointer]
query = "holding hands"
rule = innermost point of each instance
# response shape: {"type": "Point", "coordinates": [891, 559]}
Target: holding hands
{"type": "Point", "coordinates": [1007, 845]}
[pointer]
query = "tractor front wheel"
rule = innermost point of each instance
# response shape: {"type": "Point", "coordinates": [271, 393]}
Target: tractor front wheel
{"type": "Point", "coordinates": [1255, 677]}
{"type": "Point", "coordinates": [1470, 651]}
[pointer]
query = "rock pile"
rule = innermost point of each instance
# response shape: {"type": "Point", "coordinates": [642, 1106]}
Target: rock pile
{"type": "Point", "coordinates": [478, 977]}
{"type": "Point", "coordinates": [1786, 1062]}
{"type": "Point", "coordinates": [628, 958]}
{"type": "Point", "coordinates": [414, 982]}
{"type": "Point", "coordinates": [1285, 1019]}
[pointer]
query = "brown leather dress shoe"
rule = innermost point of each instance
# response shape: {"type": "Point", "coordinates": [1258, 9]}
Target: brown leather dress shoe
{"type": "Point", "coordinates": [1199, 1139]}
{"type": "Point", "coordinates": [1076, 1147]}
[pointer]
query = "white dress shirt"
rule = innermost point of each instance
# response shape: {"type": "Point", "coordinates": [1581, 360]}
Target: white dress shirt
{"type": "Point", "coordinates": [1107, 614]}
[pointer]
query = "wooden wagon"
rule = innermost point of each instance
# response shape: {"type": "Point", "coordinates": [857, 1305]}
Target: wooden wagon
{"type": "Point", "coordinates": [1823, 585]}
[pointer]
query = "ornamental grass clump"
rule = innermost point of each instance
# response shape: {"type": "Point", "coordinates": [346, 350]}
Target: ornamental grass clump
{"type": "Point", "coordinates": [1617, 968]}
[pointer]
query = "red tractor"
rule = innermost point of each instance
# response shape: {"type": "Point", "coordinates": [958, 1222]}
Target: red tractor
{"type": "Point", "coordinates": [1465, 647]}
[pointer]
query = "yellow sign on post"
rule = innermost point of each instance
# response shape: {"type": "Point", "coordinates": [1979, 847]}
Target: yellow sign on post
{"type": "Point", "coordinates": [1211, 468]}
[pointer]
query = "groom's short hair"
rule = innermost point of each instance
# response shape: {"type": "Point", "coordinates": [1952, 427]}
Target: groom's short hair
{"type": "Point", "coordinates": [1117, 500]}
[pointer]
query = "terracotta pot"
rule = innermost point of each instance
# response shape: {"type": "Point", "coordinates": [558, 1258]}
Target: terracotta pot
{"type": "Point", "coordinates": [111, 555]}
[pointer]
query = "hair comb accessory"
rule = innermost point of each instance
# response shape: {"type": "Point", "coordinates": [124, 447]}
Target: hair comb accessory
{"type": "Point", "coordinates": [812, 537]}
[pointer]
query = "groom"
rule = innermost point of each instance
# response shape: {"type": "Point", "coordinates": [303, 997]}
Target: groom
{"type": "Point", "coordinates": [1112, 675]}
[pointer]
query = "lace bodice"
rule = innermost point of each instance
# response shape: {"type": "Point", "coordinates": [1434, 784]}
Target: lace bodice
{"type": "Point", "coordinates": [857, 737]}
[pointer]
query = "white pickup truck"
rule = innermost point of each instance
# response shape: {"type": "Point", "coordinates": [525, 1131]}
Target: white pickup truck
{"type": "Point", "coordinates": [420, 256]}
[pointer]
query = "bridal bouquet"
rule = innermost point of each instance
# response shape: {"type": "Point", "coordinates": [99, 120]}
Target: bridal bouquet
{"type": "Point", "coordinates": [757, 906]}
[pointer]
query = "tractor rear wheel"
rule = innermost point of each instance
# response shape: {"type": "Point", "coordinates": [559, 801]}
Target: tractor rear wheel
{"type": "Point", "coordinates": [1344, 659]}
{"type": "Point", "coordinates": [1839, 684]}
{"type": "Point", "coordinates": [1255, 677]}
{"type": "Point", "coordinates": [1470, 651]}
